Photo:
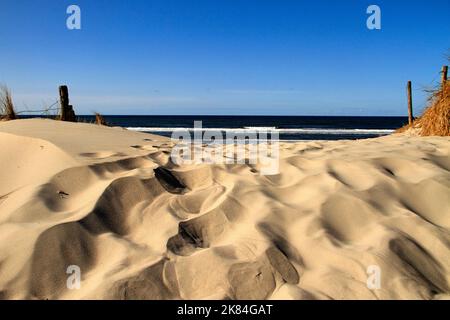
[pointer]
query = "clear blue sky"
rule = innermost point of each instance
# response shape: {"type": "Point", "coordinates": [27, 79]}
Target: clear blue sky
{"type": "Point", "coordinates": [224, 56]}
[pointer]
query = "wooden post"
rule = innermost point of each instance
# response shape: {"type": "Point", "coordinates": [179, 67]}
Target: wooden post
{"type": "Point", "coordinates": [67, 113]}
{"type": "Point", "coordinates": [444, 75]}
{"type": "Point", "coordinates": [64, 102]}
{"type": "Point", "coordinates": [410, 109]}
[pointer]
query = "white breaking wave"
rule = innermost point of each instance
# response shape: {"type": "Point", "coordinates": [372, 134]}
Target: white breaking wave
{"type": "Point", "coordinates": [270, 129]}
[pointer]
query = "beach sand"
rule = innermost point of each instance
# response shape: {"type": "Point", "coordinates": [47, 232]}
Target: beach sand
{"type": "Point", "coordinates": [74, 194]}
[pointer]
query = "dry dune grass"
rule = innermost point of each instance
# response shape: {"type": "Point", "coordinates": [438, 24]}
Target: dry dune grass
{"type": "Point", "coordinates": [7, 111]}
{"type": "Point", "coordinates": [100, 120]}
{"type": "Point", "coordinates": [435, 120]}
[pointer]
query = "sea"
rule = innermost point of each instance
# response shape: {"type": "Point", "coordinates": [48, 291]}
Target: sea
{"type": "Point", "coordinates": [288, 127]}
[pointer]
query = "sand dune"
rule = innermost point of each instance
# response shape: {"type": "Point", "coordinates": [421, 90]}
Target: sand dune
{"type": "Point", "coordinates": [140, 227]}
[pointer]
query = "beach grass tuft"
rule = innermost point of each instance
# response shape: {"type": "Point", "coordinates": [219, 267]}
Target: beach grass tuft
{"type": "Point", "coordinates": [435, 119]}
{"type": "Point", "coordinates": [100, 120]}
{"type": "Point", "coordinates": [7, 111]}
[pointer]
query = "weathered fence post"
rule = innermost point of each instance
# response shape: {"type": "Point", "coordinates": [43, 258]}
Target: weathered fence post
{"type": "Point", "coordinates": [64, 102]}
{"type": "Point", "coordinates": [444, 75]}
{"type": "Point", "coordinates": [410, 109]}
{"type": "Point", "coordinates": [67, 113]}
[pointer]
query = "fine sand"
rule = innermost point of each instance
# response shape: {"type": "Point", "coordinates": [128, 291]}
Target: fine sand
{"type": "Point", "coordinates": [85, 195]}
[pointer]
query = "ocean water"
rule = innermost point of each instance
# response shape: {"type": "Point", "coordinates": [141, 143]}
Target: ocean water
{"type": "Point", "coordinates": [288, 127]}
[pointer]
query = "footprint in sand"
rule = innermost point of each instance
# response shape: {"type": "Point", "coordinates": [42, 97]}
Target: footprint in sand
{"type": "Point", "coordinates": [101, 154]}
{"type": "Point", "coordinates": [199, 232]}
{"type": "Point", "coordinates": [251, 280]}
{"type": "Point", "coordinates": [282, 264]}
{"type": "Point", "coordinates": [157, 282]}
{"type": "Point", "coordinates": [168, 181]}
{"type": "Point", "coordinates": [145, 147]}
